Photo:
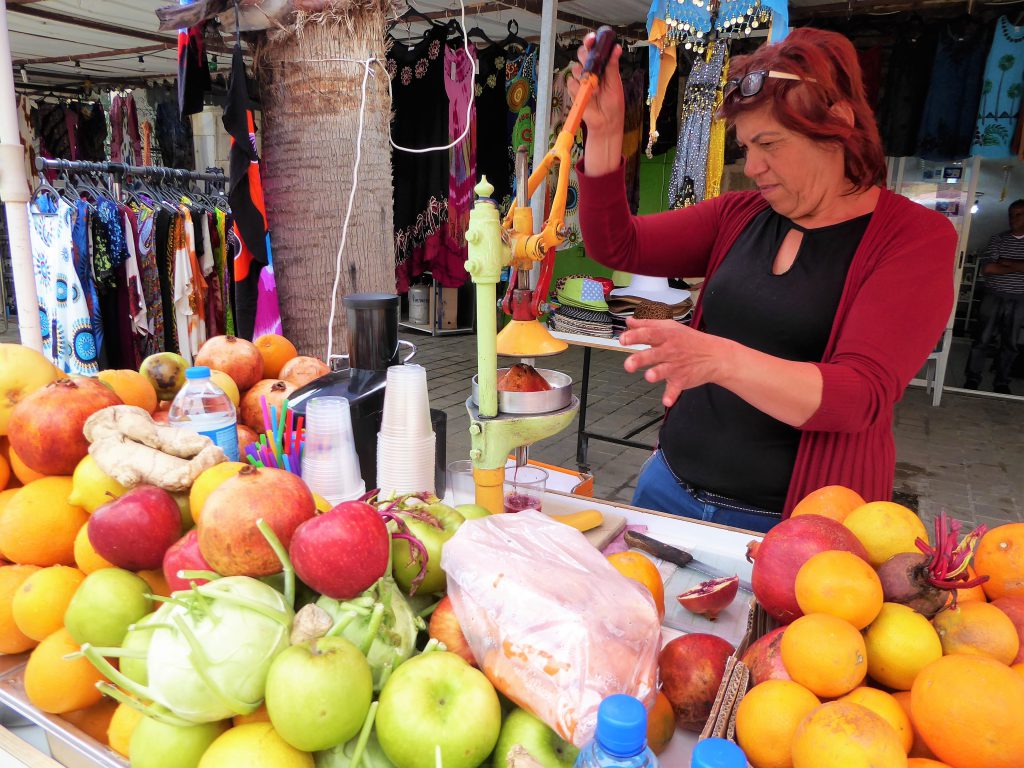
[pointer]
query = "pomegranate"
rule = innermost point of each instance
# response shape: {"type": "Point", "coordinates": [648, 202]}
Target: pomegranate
{"type": "Point", "coordinates": [1013, 606]}
{"type": "Point", "coordinates": [711, 597]}
{"type": "Point", "coordinates": [250, 410]}
{"type": "Point", "coordinates": [786, 547]}
{"type": "Point", "coordinates": [764, 658]}
{"type": "Point", "coordinates": [45, 429]}
{"type": "Point", "coordinates": [925, 581]}
{"type": "Point", "coordinates": [691, 668]}
{"type": "Point", "coordinates": [246, 437]}
{"type": "Point", "coordinates": [238, 358]}
{"type": "Point", "coordinates": [302, 369]}
{"type": "Point", "coordinates": [228, 536]}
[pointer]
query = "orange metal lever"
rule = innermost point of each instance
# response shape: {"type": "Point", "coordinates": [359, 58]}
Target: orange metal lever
{"type": "Point", "coordinates": [528, 247]}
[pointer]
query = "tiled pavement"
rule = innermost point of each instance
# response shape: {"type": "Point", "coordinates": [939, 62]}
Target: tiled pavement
{"type": "Point", "coordinates": [966, 456]}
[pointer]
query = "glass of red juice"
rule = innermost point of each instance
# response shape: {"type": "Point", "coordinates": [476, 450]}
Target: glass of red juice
{"type": "Point", "coordinates": [524, 488]}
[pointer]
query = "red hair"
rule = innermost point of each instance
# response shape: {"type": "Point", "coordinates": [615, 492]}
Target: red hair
{"type": "Point", "coordinates": [806, 107]}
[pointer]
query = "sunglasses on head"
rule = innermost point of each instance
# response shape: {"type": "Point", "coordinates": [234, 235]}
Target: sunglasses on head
{"type": "Point", "coordinates": [752, 82]}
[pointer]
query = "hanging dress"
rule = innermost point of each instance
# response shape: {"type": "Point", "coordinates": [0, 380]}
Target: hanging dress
{"type": "Point", "coordinates": [906, 88]}
{"type": "Point", "coordinates": [1001, 92]}
{"type": "Point", "coordinates": [64, 319]}
{"type": "Point", "coordinates": [521, 96]}
{"type": "Point", "coordinates": [951, 109]}
{"type": "Point", "coordinates": [420, 106]}
{"type": "Point", "coordinates": [689, 173]}
{"type": "Point", "coordinates": [492, 127]}
{"type": "Point", "coordinates": [449, 267]}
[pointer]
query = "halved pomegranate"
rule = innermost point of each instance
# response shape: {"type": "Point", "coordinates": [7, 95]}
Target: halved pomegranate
{"type": "Point", "coordinates": [711, 597]}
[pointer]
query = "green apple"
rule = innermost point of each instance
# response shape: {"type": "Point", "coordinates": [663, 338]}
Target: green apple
{"type": "Point", "coordinates": [523, 735]}
{"type": "Point", "coordinates": [159, 745]}
{"type": "Point", "coordinates": [433, 525]}
{"type": "Point", "coordinates": [438, 700]}
{"type": "Point", "coordinates": [341, 755]}
{"type": "Point", "coordinates": [166, 372]}
{"type": "Point", "coordinates": [187, 523]}
{"type": "Point", "coordinates": [136, 642]}
{"type": "Point", "coordinates": [472, 511]}
{"type": "Point", "coordinates": [108, 602]}
{"type": "Point", "coordinates": [318, 693]}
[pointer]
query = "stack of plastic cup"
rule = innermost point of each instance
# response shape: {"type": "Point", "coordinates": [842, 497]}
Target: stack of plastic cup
{"type": "Point", "coordinates": [330, 465]}
{"type": "Point", "coordinates": [405, 443]}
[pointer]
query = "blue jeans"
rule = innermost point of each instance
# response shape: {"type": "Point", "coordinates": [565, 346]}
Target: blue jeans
{"type": "Point", "coordinates": [659, 489]}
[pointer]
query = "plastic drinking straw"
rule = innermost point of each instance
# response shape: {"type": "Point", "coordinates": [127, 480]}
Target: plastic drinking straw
{"type": "Point", "coordinates": [287, 464]}
{"type": "Point", "coordinates": [280, 426]}
{"type": "Point", "coordinates": [287, 441]}
{"type": "Point", "coordinates": [266, 413]}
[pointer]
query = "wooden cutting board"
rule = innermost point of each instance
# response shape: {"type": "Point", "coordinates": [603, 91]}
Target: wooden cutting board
{"type": "Point", "coordinates": [605, 533]}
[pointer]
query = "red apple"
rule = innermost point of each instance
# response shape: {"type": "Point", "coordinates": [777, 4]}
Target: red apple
{"type": "Point", "coordinates": [445, 627]}
{"type": "Point", "coordinates": [343, 552]}
{"type": "Point", "coordinates": [184, 555]}
{"type": "Point", "coordinates": [135, 530]}
{"type": "Point", "coordinates": [691, 668]}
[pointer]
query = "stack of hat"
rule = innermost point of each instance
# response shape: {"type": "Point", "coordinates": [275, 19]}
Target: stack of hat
{"type": "Point", "coordinates": [649, 298]}
{"type": "Point", "coordinates": [582, 308]}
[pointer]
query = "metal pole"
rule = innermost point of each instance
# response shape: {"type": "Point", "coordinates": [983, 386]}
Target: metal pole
{"type": "Point", "coordinates": [15, 193]}
{"type": "Point", "coordinates": [542, 118]}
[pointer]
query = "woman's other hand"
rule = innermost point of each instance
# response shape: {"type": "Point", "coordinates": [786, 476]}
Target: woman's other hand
{"type": "Point", "coordinates": [605, 112]}
{"type": "Point", "coordinates": [680, 356]}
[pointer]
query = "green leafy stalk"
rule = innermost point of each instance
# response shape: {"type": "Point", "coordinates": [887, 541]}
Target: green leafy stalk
{"type": "Point", "coordinates": [282, 555]}
{"type": "Point", "coordinates": [256, 607]}
{"type": "Point", "coordinates": [149, 710]}
{"type": "Point", "coordinates": [364, 735]}
{"type": "Point", "coordinates": [207, 575]}
{"type": "Point", "coordinates": [372, 628]}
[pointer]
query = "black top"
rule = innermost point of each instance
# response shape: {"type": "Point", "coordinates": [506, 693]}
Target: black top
{"type": "Point", "coordinates": [715, 440]}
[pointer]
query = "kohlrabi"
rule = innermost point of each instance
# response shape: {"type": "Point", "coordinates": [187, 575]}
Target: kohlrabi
{"type": "Point", "coordinates": [380, 623]}
{"type": "Point", "coordinates": [209, 648]}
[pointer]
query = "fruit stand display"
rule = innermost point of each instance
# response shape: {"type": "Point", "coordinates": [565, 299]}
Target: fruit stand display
{"type": "Point", "coordinates": [164, 605]}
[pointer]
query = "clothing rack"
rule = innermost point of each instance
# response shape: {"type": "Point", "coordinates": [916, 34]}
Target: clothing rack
{"type": "Point", "coordinates": [123, 169]}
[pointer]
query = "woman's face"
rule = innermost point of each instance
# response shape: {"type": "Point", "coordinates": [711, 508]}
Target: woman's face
{"type": "Point", "coordinates": [796, 175]}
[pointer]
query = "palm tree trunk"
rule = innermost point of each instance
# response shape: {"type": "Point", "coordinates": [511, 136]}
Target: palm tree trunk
{"type": "Point", "coordinates": [311, 79]}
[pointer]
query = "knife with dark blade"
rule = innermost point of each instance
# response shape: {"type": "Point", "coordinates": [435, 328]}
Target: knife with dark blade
{"type": "Point", "coordinates": [658, 549]}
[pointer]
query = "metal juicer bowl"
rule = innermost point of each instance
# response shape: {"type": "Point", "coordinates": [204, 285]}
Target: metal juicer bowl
{"type": "Point", "coordinates": [526, 403]}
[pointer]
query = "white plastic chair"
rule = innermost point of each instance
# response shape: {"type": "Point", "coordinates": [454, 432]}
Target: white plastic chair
{"type": "Point", "coordinates": [935, 367]}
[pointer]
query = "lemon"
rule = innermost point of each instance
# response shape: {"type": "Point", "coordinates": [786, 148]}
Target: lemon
{"type": "Point", "coordinates": [208, 481]}
{"type": "Point", "coordinates": [886, 529]}
{"type": "Point", "coordinates": [254, 744]}
{"type": "Point", "coordinates": [226, 383]}
{"type": "Point", "coordinates": [900, 643]}
{"type": "Point", "coordinates": [322, 504]}
{"type": "Point", "coordinates": [91, 487]}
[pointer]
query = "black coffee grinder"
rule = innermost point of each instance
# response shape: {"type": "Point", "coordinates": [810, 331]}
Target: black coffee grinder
{"type": "Point", "coordinates": [373, 347]}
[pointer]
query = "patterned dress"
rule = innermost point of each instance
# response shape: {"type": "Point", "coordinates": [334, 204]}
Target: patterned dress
{"type": "Point", "coordinates": [63, 313]}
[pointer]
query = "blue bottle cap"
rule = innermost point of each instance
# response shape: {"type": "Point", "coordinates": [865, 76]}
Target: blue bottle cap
{"type": "Point", "coordinates": [622, 726]}
{"type": "Point", "coordinates": [717, 753]}
{"type": "Point", "coordinates": [198, 372]}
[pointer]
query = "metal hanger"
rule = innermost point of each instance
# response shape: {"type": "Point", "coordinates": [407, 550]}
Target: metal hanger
{"type": "Point", "coordinates": [513, 36]}
{"type": "Point", "coordinates": [47, 190]}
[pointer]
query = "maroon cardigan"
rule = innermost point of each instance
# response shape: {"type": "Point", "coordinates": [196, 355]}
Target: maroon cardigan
{"type": "Point", "coordinates": [894, 307]}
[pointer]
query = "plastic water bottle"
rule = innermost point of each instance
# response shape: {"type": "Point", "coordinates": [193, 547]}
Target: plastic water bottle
{"type": "Point", "coordinates": [621, 738]}
{"type": "Point", "coordinates": [204, 408]}
{"type": "Point", "coordinates": [717, 753]}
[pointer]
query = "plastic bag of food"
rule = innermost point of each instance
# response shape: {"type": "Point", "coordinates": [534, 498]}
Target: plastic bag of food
{"type": "Point", "coordinates": [552, 624]}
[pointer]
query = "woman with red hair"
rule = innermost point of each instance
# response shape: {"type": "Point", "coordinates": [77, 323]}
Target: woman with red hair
{"type": "Point", "coordinates": [824, 292]}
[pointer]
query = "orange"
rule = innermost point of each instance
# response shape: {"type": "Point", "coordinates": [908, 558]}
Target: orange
{"type": "Point", "coordinates": [132, 387]}
{"type": "Point", "coordinates": [824, 654]}
{"type": "Point", "coordinates": [767, 718]}
{"type": "Point", "coordinates": [39, 604]}
{"type": "Point", "coordinates": [157, 582]}
{"type": "Point", "coordinates": [39, 526]}
{"type": "Point", "coordinates": [968, 710]}
{"type": "Point", "coordinates": [1018, 667]}
{"type": "Point", "coordinates": [12, 639]}
{"type": "Point", "coordinates": [900, 643]}
{"type": "Point", "coordinates": [841, 585]}
{"type": "Point", "coordinates": [227, 384]}
{"type": "Point", "coordinates": [834, 501]}
{"type": "Point", "coordinates": [6, 496]}
{"type": "Point", "coordinates": [122, 726]}
{"type": "Point", "coordinates": [86, 558]}
{"type": "Point", "coordinates": [924, 762]}
{"type": "Point", "coordinates": [261, 716]}
{"type": "Point", "coordinates": [55, 684]}
{"type": "Point", "coordinates": [886, 529]}
{"type": "Point", "coordinates": [635, 566]}
{"type": "Point", "coordinates": [5, 472]}
{"type": "Point", "coordinates": [1000, 556]}
{"type": "Point", "coordinates": [661, 724]}
{"type": "Point", "coordinates": [276, 351]}
{"type": "Point", "coordinates": [972, 594]}
{"type": "Point", "coordinates": [918, 748]}
{"type": "Point", "coordinates": [21, 470]}
{"type": "Point", "coordinates": [94, 720]}
{"type": "Point", "coordinates": [850, 735]}
{"type": "Point", "coordinates": [207, 483]}
{"type": "Point", "coordinates": [887, 708]}
{"type": "Point", "coordinates": [978, 628]}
